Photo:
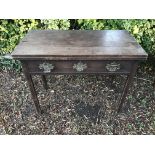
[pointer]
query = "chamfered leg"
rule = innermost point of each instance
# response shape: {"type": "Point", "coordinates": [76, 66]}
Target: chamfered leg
{"type": "Point", "coordinates": [31, 87]}
{"type": "Point", "coordinates": [44, 80]}
{"type": "Point", "coordinates": [126, 87]}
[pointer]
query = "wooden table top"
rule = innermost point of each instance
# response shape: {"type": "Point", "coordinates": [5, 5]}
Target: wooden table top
{"type": "Point", "coordinates": [76, 44]}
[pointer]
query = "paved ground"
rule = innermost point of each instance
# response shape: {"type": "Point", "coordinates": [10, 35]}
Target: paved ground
{"type": "Point", "coordinates": [76, 105]}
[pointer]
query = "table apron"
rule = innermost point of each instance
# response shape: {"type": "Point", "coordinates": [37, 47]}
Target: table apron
{"type": "Point", "coordinates": [79, 67]}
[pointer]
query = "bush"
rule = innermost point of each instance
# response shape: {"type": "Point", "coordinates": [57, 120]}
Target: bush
{"type": "Point", "coordinates": [55, 24]}
{"type": "Point", "coordinates": [13, 30]}
{"type": "Point", "coordinates": [142, 30]}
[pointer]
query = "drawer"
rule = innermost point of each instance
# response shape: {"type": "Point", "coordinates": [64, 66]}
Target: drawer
{"type": "Point", "coordinates": [75, 66]}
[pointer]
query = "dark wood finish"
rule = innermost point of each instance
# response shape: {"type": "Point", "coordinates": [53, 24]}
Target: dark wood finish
{"type": "Point", "coordinates": [63, 50]}
{"type": "Point", "coordinates": [44, 80]}
{"type": "Point", "coordinates": [126, 86]}
{"type": "Point", "coordinates": [67, 66]}
{"type": "Point", "coordinates": [85, 44]}
{"type": "Point", "coordinates": [31, 86]}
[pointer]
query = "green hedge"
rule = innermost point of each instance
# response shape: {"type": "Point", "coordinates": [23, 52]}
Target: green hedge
{"type": "Point", "coordinates": [142, 30]}
{"type": "Point", "coordinates": [11, 31]}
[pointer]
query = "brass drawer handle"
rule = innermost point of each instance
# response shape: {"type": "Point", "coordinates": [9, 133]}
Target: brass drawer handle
{"type": "Point", "coordinates": [80, 66]}
{"type": "Point", "coordinates": [47, 67]}
{"type": "Point", "coordinates": [113, 67]}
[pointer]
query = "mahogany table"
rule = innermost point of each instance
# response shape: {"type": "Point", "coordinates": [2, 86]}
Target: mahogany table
{"type": "Point", "coordinates": [78, 52]}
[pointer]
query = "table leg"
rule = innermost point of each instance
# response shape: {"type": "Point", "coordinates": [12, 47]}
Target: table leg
{"type": "Point", "coordinates": [126, 87]}
{"type": "Point", "coordinates": [32, 88]}
{"type": "Point", "coordinates": [44, 80]}
{"type": "Point", "coordinates": [112, 79]}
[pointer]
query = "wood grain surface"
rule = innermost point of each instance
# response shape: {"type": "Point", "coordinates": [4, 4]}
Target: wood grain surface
{"type": "Point", "coordinates": [79, 44]}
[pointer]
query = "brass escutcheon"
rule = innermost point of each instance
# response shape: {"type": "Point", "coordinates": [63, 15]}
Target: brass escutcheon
{"type": "Point", "coordinates": [113, 67]}
{"type": "Point", "coordinates": [47, 67]}
{"type": "Point", "coordinates": [79, 66]}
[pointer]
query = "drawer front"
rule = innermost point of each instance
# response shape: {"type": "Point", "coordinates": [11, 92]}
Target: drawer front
{"type": "Point", "coordinates": [92, 66]}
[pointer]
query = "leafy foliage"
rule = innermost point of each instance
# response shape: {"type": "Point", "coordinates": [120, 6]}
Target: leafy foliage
{"type": "Point", "coordinates": [11, 31]}
{"type": "Point", "coordinates": [55, 24]}
{"type": "Point", "coordinates": [10, 64]}
{"type": "Point", "coordinates": [142, 30]}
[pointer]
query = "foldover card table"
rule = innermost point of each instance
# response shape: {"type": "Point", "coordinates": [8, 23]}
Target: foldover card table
{"type": "Point", "coordinates": [111, 52]}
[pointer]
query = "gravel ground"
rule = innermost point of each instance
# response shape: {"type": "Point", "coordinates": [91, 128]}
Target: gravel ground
{"type": "Point", "coordinates": [83, 104]}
